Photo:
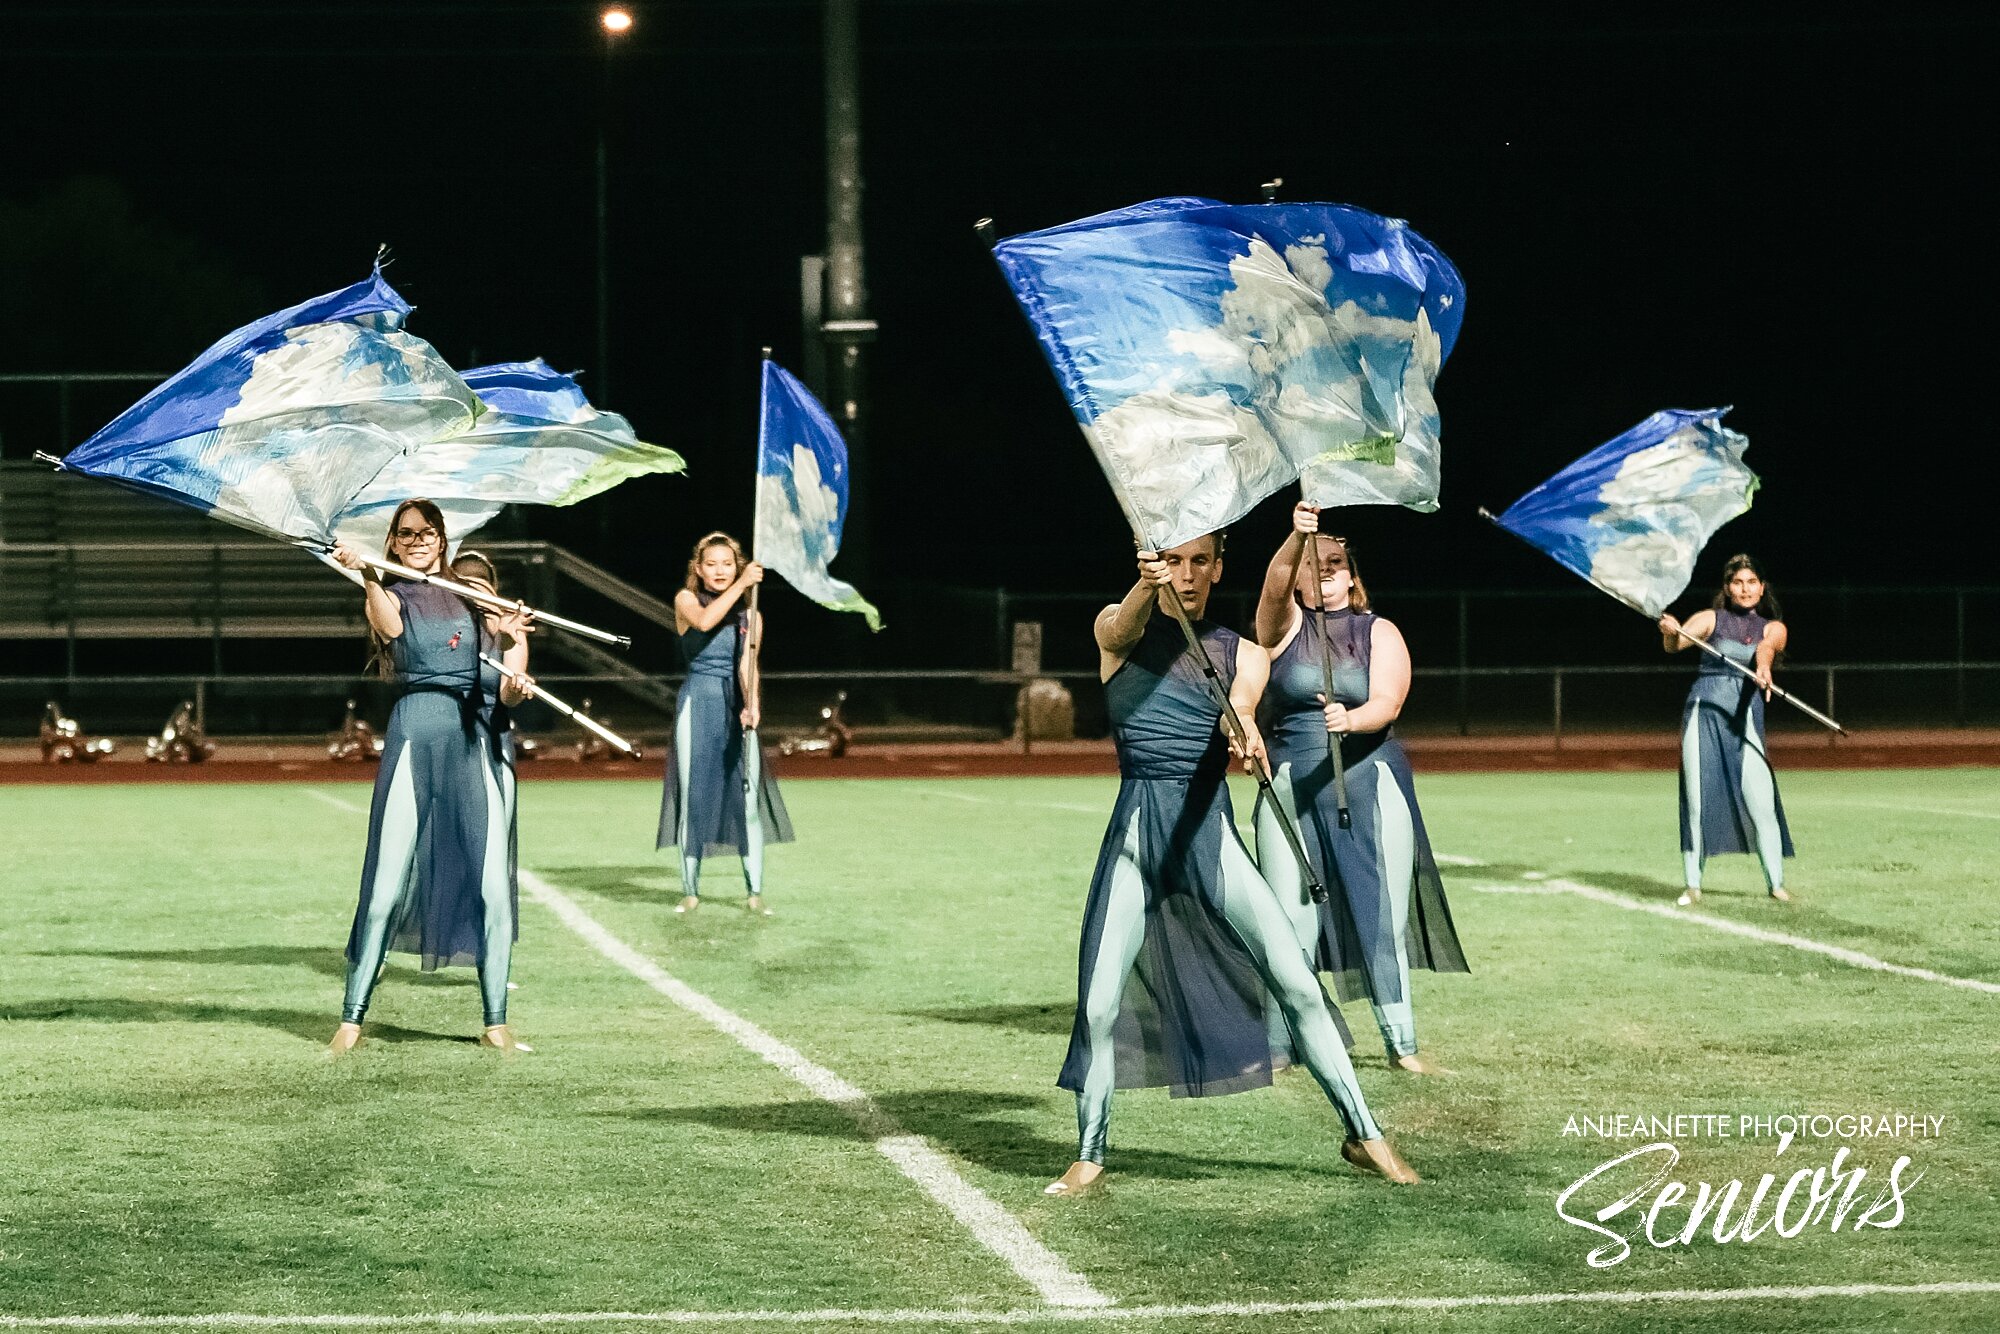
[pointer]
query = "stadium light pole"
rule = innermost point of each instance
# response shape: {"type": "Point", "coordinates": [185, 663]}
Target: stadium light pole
{"type": "Point", "coordinates": [614, 22]}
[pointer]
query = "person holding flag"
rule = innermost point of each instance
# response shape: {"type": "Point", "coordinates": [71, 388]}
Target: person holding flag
{"type": "Point", "coordinates": [1184, 943]}
{"type": "Point", "coordinates": [1729, 798]}
{"type": "Point", "coordinates": [1387, 912]}
{"type": "Point", "coordinates": [719, 796]}
{"type": "Point", "coordinates": [437, 878]}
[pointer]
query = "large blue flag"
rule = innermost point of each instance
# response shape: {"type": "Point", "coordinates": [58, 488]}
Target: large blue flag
{"type": "Point", "coordinates": [802, 494]}
{"type": "Point", "coordinates": [539, 442]}
{"type": "Point", "coordinates": [1632, 515]}
{"type": "Point", "coordinates": [1214, 353]}
{"type": "Point", "coordinates": [277, 427]}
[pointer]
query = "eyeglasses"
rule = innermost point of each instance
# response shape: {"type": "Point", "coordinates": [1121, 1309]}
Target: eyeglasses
{"type": "Point", "coordinates": [414, 534]}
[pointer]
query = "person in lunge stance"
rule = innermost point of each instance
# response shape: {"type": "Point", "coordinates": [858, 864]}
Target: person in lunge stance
{"type": "Point", "coordinates": [1729, 797]}
{"type": "Point", "coordinates": [715, 763]}
{"type": "Point", "coordinates": [1385, 911]}
{"type": "Point", "coordinates": [437, 881]}
{"type": "Point", "coordinates": [1184, 943]}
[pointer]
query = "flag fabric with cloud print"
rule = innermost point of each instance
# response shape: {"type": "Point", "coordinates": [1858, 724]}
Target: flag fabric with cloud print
{"type": "Point", "coordinates": [277, 427]}
{"type": "Point", "coordinates": [1632, 515]}
{"type": "Point", "coordinates": [1215, 353]}
{"type": "Point", "coordinates": [802, 494]}
{"type": "Point", "coordinates": [539, 442]}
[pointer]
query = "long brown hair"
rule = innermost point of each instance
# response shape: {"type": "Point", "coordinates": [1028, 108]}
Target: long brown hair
{"type": "Point", "coordinates": [1357, 593]}
{"type": "Point", "coordinates": [717, 538]}
{"type": "Point", "coordinates": [1767, 605]}
{"type": "Point", "coordinates": [381, 663]}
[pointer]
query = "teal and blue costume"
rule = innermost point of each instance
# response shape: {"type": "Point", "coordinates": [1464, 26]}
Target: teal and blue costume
{"type": "Point", "coordinates": [1185, 948]}
{"type": "Point", "coordinates": [1385, 911]}
{"type": "Point", "coordinates": [713, 765]}
{"type": "Point", "coordinates": [1729, 798]}
{"type": "Point", "coordinates": [439, 877]}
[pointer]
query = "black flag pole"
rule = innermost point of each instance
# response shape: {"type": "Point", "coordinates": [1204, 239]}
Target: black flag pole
{"type": "Point", "coordinates": [1326, 683]}
{"type": "Point", "coordinates": [1259, 769]}
{"type": "Point", "coordinates": [1701, 644]}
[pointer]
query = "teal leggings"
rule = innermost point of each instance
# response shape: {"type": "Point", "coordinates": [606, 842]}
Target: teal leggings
{"type": "Point", "coordinates": [753, 814]}
{"type": "Point", "coordinates": [1255, 915]}
{"type": "Point", "coordinates": [390, 894]}
{"type": "Point", "coordinates": [1760, 795]}
{"type": "Point", "coordinates": [1395, 863]}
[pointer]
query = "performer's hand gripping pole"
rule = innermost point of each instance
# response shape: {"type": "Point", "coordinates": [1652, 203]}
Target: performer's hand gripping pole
{"type": "Point", "coordinates": [537, 691]}
{"type": "Point", "coordinates": [1261, 768]}
{"type": "Point", "coordinates": [1326, 684]}
{"type": "Point", "coordinates": [1706, 647]}
{"type": "Point", "coordinates": [492, 601]}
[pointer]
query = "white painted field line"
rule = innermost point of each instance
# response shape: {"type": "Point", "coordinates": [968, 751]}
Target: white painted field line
{"type": "Point", "coordinates": [1102, 809]}
{"type": "Point", "coordinates": [1017, 1316]}
{"type": "Point", "coordinates": [332, 800]}
{"type": "Point", "coordinates": [993, 1227]}
{"type": "Point", "coordinates": [1853, 958]}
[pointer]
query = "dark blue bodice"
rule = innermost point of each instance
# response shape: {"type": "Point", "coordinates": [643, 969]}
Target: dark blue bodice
{"type": "Point", "coordinates": [1291, 715]}
{"type": "Point", "coordinates": [1736, 633]}
{"type": "Point", "coordinates": [1164, 720]}
{"type": "Point", "coordinates": [439, 646]}
{"type": "Point", "coordinates": [713, 653]}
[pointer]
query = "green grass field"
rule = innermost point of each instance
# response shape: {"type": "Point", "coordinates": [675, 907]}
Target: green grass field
{"type": "Point", "coordinates": [173, 1141]}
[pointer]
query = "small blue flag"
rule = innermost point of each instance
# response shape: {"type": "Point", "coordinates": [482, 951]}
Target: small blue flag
{"type": "Point", "coordinates": [1215, 353]}
{"type": "Point", "coordinates": [277, 427]}
{"type": "Point", "coordinates": [540, 442]}
{"type": "Point", "coordinates": [802, 494]}
{"type": "Point", "coordinates": [1632, 515]}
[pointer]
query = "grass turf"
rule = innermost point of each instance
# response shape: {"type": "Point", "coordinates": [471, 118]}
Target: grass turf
{"type": "Point", "coordinates": [175, 1142]}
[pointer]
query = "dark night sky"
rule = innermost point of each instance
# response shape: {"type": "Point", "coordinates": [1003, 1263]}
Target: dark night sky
{"type": "Point", "coordinates": [1652, 206]}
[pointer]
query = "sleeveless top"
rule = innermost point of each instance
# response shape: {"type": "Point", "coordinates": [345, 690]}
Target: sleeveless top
{"type": "Point", "coordinates": [440, 644]}
{"type": "Point", "coordinates": [1293, 721]}
{"type": "Point", "coordinates": [1164, 721]}
{"type": "Point", "coordinates": [712, 654]}
{"type": "Point", "coordinates": [1736, 633]}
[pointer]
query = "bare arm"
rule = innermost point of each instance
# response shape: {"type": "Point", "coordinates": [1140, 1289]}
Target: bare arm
{"type": "Point", "coordinates": [1253, 673]}
{"type": "Point", "coordinates": [510, 634]}
{"type": "Point", "coordinates": [1120, 626]}
{"type": "Point", "coordinates": [752, 673]}
{"type": "Point", "coordinates": [1768, 649]}
{"type": "Point", "coordinates": [1275, 610]}
{"type": "Point", "coordinates": [1676, 635]}
{"type": "Point", "coordinates": [385, 614]}
{"type": "Point", "coordinates": [1388, 684]}
{"type": "Point", "coordinates": [694, 616]}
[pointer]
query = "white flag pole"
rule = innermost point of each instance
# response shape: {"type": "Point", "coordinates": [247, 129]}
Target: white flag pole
{"type": "Point", "coordinates": [1701, 644]}
{"type": "Point", "coordinates": [538, 691]}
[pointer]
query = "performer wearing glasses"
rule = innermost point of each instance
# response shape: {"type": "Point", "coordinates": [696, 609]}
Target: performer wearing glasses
{"type": "Point", "coordinates": [1729, 797]}
{"type": "Point", "coordinates": [715, 761]}
{"type": "Point", "coordinates": [437, 880]}
{"type": "Point", "coordinates": [1184, 944]}
{"type": "Point", "coordinates": [1385, 911]}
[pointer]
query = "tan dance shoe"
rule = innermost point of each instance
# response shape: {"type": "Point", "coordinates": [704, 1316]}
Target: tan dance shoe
{"type": "Point", "coordinates": [1780, 895]}
{"type": "Point", "coordinates": [1380, 1157]}
{"type": "Point", "coordinates": [1416, 1064]}
{"type": "Point", "coordinates": [500, 1038]}
{"type": "Point", "coordinates": [1081, 1179]}
{"type": "Point", "coordinates": [1688, 896]}
{"type": "Point", "coordinates": [755, 904]}
{"type": "Point", "coordinates": [345, 1039]}
{"type": "Point", "coordinates": [688, 904]}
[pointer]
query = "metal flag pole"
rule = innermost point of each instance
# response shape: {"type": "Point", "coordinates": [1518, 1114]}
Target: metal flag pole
{"type": "Point", "coordinates": [1261, 771]}
{"type": "Point", "coordinates": [492, 601]}
{"type": "Point", "coordinates": [1326, 682]}
{"type": "Point", "coordinates": [537, 691]}
{"type": "Point", "coordinates": [1701, 644]}
{"type": "Point", "coordinates": [753, 624]}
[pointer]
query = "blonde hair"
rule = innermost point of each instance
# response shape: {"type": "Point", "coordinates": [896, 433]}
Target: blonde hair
{"type": "Point", "coordinates": [1357, 592]}
{"type": "Point", "coordinates": [717, 538]}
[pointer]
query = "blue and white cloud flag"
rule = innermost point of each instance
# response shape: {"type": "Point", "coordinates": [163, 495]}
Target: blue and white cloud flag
{"type": "Point", "coordinates": [1632, 515]}
{"type": "Point", "coordinates": [1215, 353]}
{"type": "Point", "coordinates": [277, 427]}
{"type": "Point", "coordinates": [539, 442]}
{"type": "Point", "coordinates": [802, 494]}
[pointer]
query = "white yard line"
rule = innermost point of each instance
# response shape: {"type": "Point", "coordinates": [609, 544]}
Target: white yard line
{"type": "Point", "coordinates": [1103, 810]}
{"type": "Point", "coordinates": [1695, 917]}
{"type": "Point", "coordinates": [914, 1156]}
{"type": "Point", "coordinates": [917, 1158]}
{"type": "Point", "coordinates": [1017, 1316]}
{"type": "Point", "coordinates": [332, 800]}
